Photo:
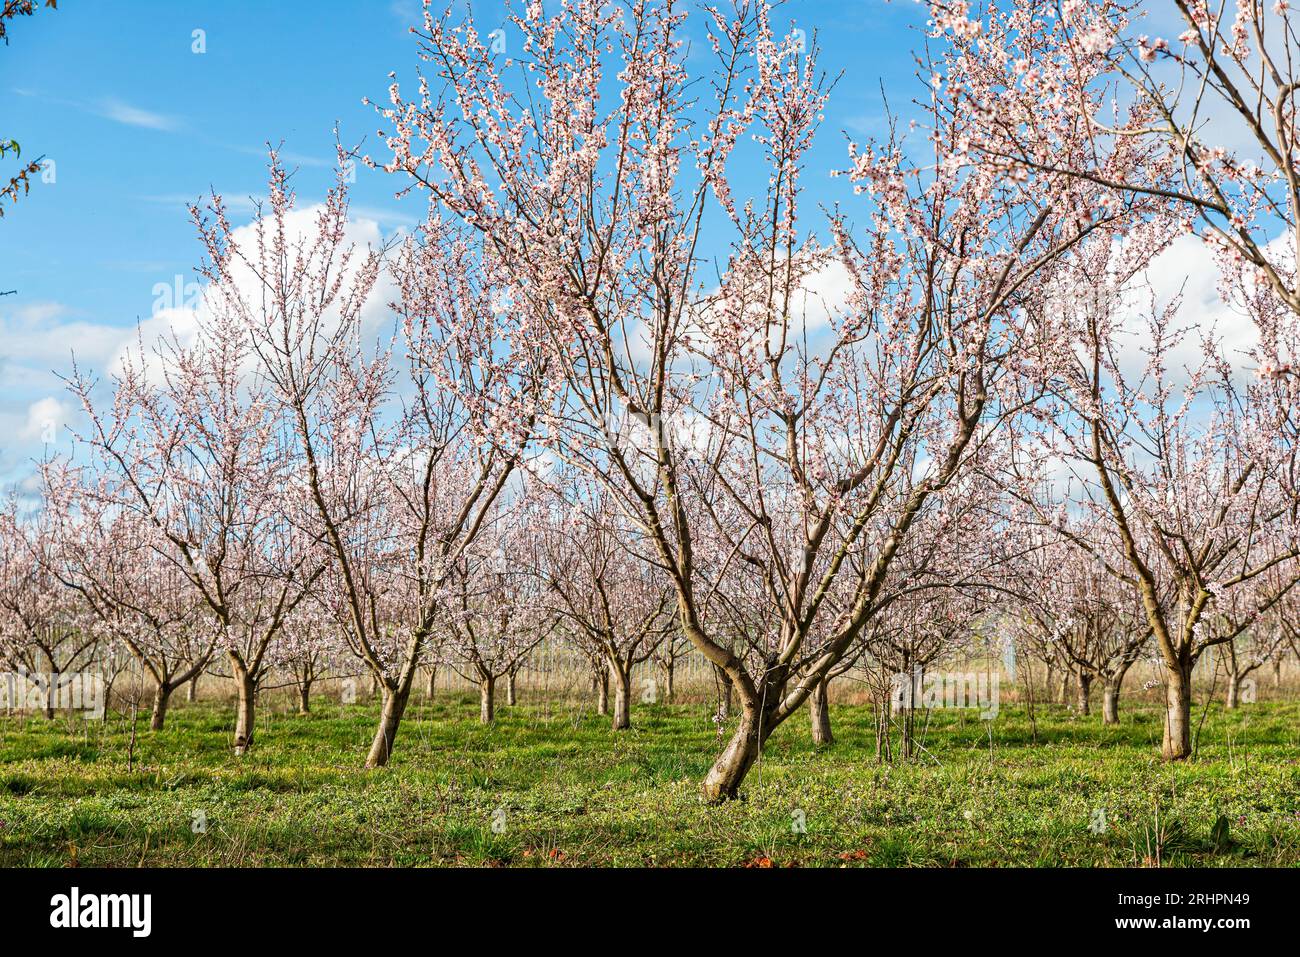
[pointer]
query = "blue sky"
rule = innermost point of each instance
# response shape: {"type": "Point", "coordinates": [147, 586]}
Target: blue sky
{"type": "Point", "coordinates": [137, 124]}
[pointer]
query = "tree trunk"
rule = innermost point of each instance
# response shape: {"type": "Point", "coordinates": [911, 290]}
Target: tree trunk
{"type": "Point", "coordinates": [1110, 703]}
{"type": "Point", "coordinates": [669, 667]}
{"type": "Point", "coordinates": [1083, 685]}
{"type": "Point", "coordinates": [245, 705]}
{"type": "Point", "coordinates": [622, 681]}
{"type": "Point", "coordinates": [602, 692]}
{"type": "Point", "coordinates": [510, 688]}
{"type": "Point", "coordinates": [192, 689]}
{"type": "Point", "coordinates": [908, 726]}
{"type": "Point", "coordinates": [723, 781]}
{"type": "Point", "coordinates": [882, 716]}
{"type": "Point", "coordinates": [390, 717]}
{"type": "Point", "coordinates": [161, 694]}
{"type": "Point", "coordinates": [1177, 743]}
{"type": "Point", "coordinates": [431, 686]}
{"type": "Point", "coordinates": [819, 713]}
{"type": "Point", "coordinates": [1063, 691]}
{"type": "Point", "coordinates": [1277, 672]}
{"type": "Point", "coordinates": [486, 704]}
{"type": "Point", "coordinates": [52, 690]}
{"type": "Point", "coordinates": [304, 696]}
{"type": "Point", "coordinates": [725, 693]}
{"type": "Point", "coordinates": [1234, 691]}
{"type": "Point", "coordinates": [51, 693]}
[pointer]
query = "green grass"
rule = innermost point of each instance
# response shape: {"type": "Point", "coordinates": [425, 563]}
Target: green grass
{"type": "Point", "coordinates": [566, 790]}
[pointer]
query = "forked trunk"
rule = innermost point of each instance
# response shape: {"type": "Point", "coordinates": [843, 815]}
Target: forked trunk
{"type": "Point", "coordinates": [161, 694]}
{"type": "Point", "coordinates": [431, 686]}
{"type": "Point", "coordinates": [390, 717]}
{"type": "Point", "coordinates": [908, 728]}
{"type": "Point", "coordinates": [601, 680]}
{"type": "Point", "coordinates": [486, 704]}
{"type": "Point", "coordinates": [304, 696]}
{"type": "Point", "coordinates": [1233, 698]}
{"type": "Point", "coordinates": [52, 691]}
{"type": "Point", "coordinates": [1110, 703]}
{"type": "Point", "coordinates": [723, 781]}
{"type": "Point", "coordinates": [820, 715]}
{"type": "Point", "coordinates": [245, 704]}
{"type": "Point", "coordinates": [725, 693]}
{"type": "Point", "coordinates": [51, 695]}
{"type": "Point", "coordinates": [1177, 743]}
{"type": "Point", "coordinates": [622, 681]}
{"type": "Point", "coordinates": [1083, 685]}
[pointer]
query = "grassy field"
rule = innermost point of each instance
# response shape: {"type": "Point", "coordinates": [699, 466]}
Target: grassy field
{"type": "Point", "coordinates": [552, 785]}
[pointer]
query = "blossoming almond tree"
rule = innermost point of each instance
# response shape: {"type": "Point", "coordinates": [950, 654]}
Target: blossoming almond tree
{"type": "Point", "coordinates": [46, 631]}
{"type": "Point", "coordinates": [137, 594]}
{"type": "Point", "coordinates": [498, 608]}
{"type": "Point", "coordinates": [309, 650]}
{"type": "Point", "coordinates": [192, 446]}
{"type": "Point", "coordinates": [905, 639]}
{"type": "Point", "coordinates": [1073, 614]}
{"type": "Point", "coordinates": [403, 446]}
{"type": "Point", "coordinates": [783, 443]}
{"type": "Point", "coordinates": [945, 584]}
{"type": "Point", "coordinates": [1183, 468]}
{"type": "Point", "coordinates": [1245, 625]}
{"type": "Point", "coordinates": [606, 589]}
{"type": "Point", "coordinates": [1209, 107]}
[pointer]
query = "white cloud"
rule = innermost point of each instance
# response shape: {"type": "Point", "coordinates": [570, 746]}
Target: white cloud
{"type": "Point", "coordinates": [178, 324]}
{"type": "Point", "coordinates": [45, 420]}
{"type": "Point", "coordinates": [1188, 272]}
{"type": "Point", "coordinates": [42, 336]}
{"type": "Point", "coordinates": [1188, 267]}
{"type": "Point", "coordinates": [824, 295]}
{"type": "Point", "coordinates": [820, 297]}
{"type": "Point", "coordinates": [181, 309]}
{"type": "Point", "coordinates": [121, 112]}
{"type": "Point", "coordinates": [39, 340]}
{"type": "Point", "coordinates": [110, 108]}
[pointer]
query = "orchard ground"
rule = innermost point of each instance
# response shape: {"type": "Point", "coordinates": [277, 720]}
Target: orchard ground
{"type": "Point", "coordinates": [550, 784]}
